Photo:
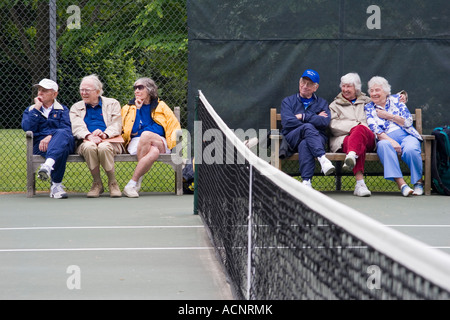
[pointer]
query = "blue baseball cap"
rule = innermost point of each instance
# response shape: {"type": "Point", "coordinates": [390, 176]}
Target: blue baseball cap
{"type": "Point", "coordinates": [312, 75]}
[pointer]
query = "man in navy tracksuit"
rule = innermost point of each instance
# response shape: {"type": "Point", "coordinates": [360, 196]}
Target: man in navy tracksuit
{"type": "Point", "coordinates": [50, 123]}
{"type": "Point", "coordinates": [304, 118]}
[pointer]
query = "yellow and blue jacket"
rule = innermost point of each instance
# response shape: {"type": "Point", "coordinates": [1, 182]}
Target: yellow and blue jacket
{"type": "Point", "coordinates": [161, 114]}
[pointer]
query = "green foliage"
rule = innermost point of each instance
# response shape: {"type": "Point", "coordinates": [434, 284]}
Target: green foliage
{"type": "Point", "coordinates": [124, 40]}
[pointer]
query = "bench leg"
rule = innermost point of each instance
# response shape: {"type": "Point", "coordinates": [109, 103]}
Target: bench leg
{"type": "Point", "coordinates": [31, 180]}
{"type": "Point", "coordinates": [427, 170]}
{"type": "Point", "coordinates": [178, 180]}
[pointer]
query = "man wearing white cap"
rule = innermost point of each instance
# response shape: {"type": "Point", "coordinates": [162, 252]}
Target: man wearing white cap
{"type": "Point", "coordinates": [50, 123]}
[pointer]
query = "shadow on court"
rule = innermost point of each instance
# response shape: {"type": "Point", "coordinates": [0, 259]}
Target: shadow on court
{"type": "Point", "coordinates": [152, 247]}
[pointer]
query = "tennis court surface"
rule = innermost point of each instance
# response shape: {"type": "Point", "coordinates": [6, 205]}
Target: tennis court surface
{"type": "Point", "coordinates": [152, 247]}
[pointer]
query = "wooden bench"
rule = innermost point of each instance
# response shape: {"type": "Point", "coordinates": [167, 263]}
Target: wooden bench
{"type": "Point", "coordinates": [174, 159]}
{"type": "Point", "coordinates": [275, 126]}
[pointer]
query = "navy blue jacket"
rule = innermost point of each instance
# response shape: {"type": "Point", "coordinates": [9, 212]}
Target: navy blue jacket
{"type": "Point", "coordinates": [35, 121]}
{"type": "Point", "coordinates": [292, 105]}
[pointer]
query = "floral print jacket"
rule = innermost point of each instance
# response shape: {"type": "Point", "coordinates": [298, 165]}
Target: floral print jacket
{"type": "Point", "coordinates": [394, 107]}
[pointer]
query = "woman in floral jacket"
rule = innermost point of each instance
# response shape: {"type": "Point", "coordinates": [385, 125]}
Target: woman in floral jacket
{"type": "Point", "coordinates": [391, 121]}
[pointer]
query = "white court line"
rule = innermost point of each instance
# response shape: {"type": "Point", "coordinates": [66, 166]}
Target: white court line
{"type": "Point", "coordinates": [105, 249]}
{"type": "Point", "coordinates": [419, 225]}
{"type": "Point", "coordinates": [98, 227]}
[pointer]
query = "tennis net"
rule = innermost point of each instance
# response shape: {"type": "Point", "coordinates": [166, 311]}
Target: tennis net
{"type": "Point", "coordinates": [279, 240]}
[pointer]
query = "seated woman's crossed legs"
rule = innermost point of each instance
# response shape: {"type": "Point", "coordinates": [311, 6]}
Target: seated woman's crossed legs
{"type": "Point", "coordinates": [150, 146]}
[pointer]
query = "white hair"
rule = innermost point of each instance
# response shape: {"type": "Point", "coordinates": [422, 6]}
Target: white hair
{"type": "Point", "coordinates": [382, 82]}
{"type": "Point", "coordinates": [98, 85]}
{"type": "Point", "coordinates": [353, 79]}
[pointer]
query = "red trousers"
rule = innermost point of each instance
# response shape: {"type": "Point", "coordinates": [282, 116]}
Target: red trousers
{"type": "Point", "coordinates": [360, 140]}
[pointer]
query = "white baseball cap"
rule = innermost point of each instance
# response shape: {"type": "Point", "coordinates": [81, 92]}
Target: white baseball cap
{"type": "Point", "coordinates": [48, 84]}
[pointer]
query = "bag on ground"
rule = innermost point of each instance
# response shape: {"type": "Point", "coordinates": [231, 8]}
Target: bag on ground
{"type": "Point", "coordinates": [440, 160]}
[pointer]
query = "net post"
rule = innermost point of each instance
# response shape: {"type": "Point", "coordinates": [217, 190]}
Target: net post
{"type": "Point", "coordinates": [52, 37]}
{"type": "Point", "coordinates": [249, 232]}
{"type": "Point", "coordinates": [194, 164]}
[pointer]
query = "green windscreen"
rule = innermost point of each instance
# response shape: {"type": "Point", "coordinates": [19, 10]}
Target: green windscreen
{"type": "Point", "coordinates": [247, 55]}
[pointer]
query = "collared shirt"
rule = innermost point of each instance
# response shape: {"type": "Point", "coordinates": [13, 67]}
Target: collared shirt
{"type": "Point", "coordinates": [306, 102]}
{"type": "Point", "coordinates": [46, 111]}
{"type": "Point", "coordinates": [145, 122]}
{"type": "Point", "coordinates": [94, 117]}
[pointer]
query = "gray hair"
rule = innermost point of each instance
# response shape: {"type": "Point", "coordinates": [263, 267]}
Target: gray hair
{"type": "Point", "coordinates": [382, 82]}
{"type": "Point", "coordinates": [354, 79]}
{"type": "Point", "coordinates": [98, 85]}
{"type": "Point", "coordinates": [150, 85]}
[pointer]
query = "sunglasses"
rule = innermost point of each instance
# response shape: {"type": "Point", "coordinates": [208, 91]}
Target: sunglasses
{"type": "Point", "coordinates": [140, 87]}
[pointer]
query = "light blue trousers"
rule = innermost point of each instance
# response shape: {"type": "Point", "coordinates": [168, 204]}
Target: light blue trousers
{"type": "Point", "coordinates": [411, 155]}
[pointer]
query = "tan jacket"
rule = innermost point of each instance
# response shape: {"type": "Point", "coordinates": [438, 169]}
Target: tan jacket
{"type": "Point", "coordinates": [345, 116]}
{"type": "Point", "coordinates": [111, 115]}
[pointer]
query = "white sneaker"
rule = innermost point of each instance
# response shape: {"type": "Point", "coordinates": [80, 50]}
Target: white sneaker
{"type": "Point", "coordinates": [350, 161]}
{"type": "Point", "coordinates": [418, 189]}
{"type": "Point", "coordinates": [44, 172]}
{"type": "Point", "coordinates": [131, 192]}
{"type": "Point", "coordinates": [58, 192]}
{"type": "Point", "coordinates": [406, 190]}
{"type": "Point", "coordinates": [307, 183]}
{"type": "Point", "coordinates": [362, 191]}
{"type": "Point", "coordinates": [327, 167]}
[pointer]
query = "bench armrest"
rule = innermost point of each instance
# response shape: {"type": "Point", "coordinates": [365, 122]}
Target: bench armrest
{"type": "Point", "coordinates": [428, 137]}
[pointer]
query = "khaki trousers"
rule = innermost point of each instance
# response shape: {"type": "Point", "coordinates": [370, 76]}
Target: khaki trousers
{"type": "Point", "coordinates": [101, 154]}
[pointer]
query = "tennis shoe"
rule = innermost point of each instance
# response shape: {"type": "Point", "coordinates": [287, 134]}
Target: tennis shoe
{"type": "Point", "coordinates": [44, 172]}
{"type": "Point", "coordinates": [130, 191]}
{"type": "Point", "coordinates": [418, 189]}
{"type": "Point", "coordinates": [57, 191]}
{"type": "Point", "coordinates": [327, 167]}
{"type": "Point", "coordinates": [406, 190]}
{"type": "Point", "coordinates": [350, 161]}
{"type": "Point", "coordinates": [362, 191]}
{"type": "Point", "coordinates": [307, 183]}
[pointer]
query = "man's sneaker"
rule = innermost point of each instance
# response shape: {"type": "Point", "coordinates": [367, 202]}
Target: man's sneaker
{"type": "Point", "coordinates": [362, 191]}
{"type": "Point", "coordinates": [327, 167]}
{"type": "Point", "coordinates": [418, 189]}
{"type": "Point", "coordinates": [406, 190]}
{"type": "Point", "coordinates": [130, 191]}
{"type": "Point", "coordinates": [350, 161]}
{"type": "Point", "coordinates": [44, 172]}
{"type": "Point", "coordinates": [57, 191]}
{"type": "Point", "coordinates": [307, 183]}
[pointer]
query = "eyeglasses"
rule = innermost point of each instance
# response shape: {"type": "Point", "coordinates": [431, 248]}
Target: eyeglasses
{"type": "Point", "coordinates": [140, 87]}
{"type": "Point", "coordinates": [86, 90]}
{"type": "Point", "coordinates": [308, 84]}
